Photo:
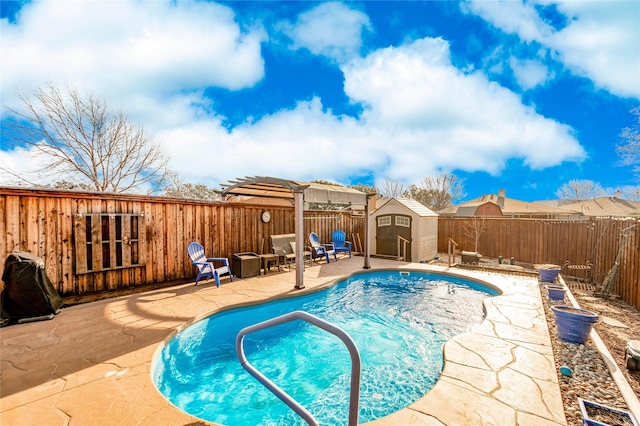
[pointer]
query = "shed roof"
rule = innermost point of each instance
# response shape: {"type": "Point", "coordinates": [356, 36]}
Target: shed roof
{"type": "Point", "coordinates": [415, 206]}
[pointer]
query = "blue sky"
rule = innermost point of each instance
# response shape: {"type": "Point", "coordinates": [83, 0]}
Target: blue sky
{"type": "Point", "coordinates": [522, 96]}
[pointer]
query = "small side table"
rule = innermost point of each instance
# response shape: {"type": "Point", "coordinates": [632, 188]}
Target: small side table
{"type": "Point", "coordinates": [267, 259]}
{"type": "Point", "coordinates": [246, 264]}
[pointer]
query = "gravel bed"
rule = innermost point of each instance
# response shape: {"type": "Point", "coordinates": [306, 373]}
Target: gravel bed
{"type": "Point", "coordinates": [590, 378]}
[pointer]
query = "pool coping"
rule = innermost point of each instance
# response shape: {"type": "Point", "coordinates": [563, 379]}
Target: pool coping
{"type": "Point", "coordinates": [91, 364]}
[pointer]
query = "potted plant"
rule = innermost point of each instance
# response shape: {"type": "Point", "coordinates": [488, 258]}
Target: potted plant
{"type": "Point", "coordinates": [573, 324]}
{"type": "Point", "coordinates": [556, 292]}
{"type": "Point", "coordinates": [548, 273]}
{"type": "Point", "coordinates": [594, 414]}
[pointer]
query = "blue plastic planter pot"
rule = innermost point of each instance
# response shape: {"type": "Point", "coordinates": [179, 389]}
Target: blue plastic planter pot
{"type": "Point", "coordinates": [632, 355]}
{"type": "Point", "coordinates": [589, 408]}
{"type": "Point", "coordinates": [574, 325]}
{"type": "Point", "coordinates": [556, 292]}
{"type": "Point", "coordinates": [548, 275]}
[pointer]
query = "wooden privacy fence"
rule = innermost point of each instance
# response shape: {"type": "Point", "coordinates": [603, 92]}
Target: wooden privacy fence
{"type": "Point", "coordinates": [595, 240]}
{"type": "Point", "coordinates": [94, 242]}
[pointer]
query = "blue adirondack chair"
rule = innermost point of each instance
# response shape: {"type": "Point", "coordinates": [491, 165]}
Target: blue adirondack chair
{"type": "Point", "coordinates": [206, 266]}
{"type": "Point", "coordinates": [338, 239]}
{"type": "Point", "coordinates": [319, 250]}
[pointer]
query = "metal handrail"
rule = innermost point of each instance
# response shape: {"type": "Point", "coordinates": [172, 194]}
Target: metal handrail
{"type": "Point", "coordinates": [354, 394]}
{"type": "Point", "coordinates": [451, 251]}
{"type": "Point", "coordinates": [404, 247]}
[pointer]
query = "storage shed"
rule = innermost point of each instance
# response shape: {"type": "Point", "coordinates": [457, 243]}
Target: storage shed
{"type": "Point", "coordinates": [404, 229]}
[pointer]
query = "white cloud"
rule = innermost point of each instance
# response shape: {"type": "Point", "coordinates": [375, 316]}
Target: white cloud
{"type": "Point", "coordinates": [142, 48]}
{"type": "Point", "coordinates": [511, 16]}
{"type": "Point", "coordinates": [329, 29]}
{"type": "Point", "coordinates": [22, 161]}
{"type": "Point", "coordinates": [437, 116]}
{"type": "Point", "coordinates": [529, 73]}
{"type": "Point", "coordinates": [304, 142]}
{"type": "Point", "coordinates": [600, 41]}
{"type": "Point", "coordinates": [422, 115]}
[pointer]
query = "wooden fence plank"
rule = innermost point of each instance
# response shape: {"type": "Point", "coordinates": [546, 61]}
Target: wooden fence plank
{"type": "Point", "coordinates": [65, 218]}
{"type": "Point", "coordinates": [171, 242]}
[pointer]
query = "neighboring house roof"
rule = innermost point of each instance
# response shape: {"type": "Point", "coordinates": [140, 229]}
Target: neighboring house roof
{"type": "Point", "coordinates": [605, 206]}
{"type": "Point", "coordinates": [509, 207]}
{"type": "Point", "coordinates": [554, 203]}
{"type": "Point", "coordinates": [451, 210]}
{"type": "Point", "coordinates": [465, 211]}
{"type": "Point", "coordinates": [415, 206]}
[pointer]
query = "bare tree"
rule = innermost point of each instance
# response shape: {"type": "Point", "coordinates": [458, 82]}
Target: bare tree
{"type": "Point", "coordinates": [392, 188]}
{"type": "Point", "coordinates": [417, 193]}
{"type": "Point", "coordinates": [629, 193]}
{"type": "Point", "coordinates": [326, 182]}
{"type": "Point", "coordinates": [473, 228]}
{"type": "Point", "coordinates": [437, 192]}
{"type": "Point", "coordinates": [191, 191]}
{"type": "Point", "coordinates": [629, 148]}
{"type": "Point", "coordinates": [363, 187]}
{"type": "Point", "coordinates": [82, 142]}
{"type": "Point", "coordinates": [580, 190]}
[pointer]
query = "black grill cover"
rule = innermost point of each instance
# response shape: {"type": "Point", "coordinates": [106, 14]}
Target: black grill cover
{"type": "Point", "coordinates": [28, 293]}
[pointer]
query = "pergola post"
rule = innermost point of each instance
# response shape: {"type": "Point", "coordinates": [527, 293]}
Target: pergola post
{"type": "Point", "coordinates": [298, 198]}
{"type": "Point", "coordinates": [367, 232]}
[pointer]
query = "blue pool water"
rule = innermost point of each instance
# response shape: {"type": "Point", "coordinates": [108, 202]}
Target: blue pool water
{"type": "Point", "coordinates": [399, 322]}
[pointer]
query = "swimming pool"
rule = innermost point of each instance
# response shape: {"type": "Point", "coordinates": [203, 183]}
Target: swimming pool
{"type": "Point", "coordinates": [399, 320]}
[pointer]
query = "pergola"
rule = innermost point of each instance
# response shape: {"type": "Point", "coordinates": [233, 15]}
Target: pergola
{"type": "Point", "coordinates": [299, 192]}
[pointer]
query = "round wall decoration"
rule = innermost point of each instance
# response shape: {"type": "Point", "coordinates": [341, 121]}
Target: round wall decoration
{"type": "Point", "coordinates": [266, 216]}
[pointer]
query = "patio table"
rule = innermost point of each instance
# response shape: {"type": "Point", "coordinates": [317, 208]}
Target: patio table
{"type": "Point", "coordinates": [266, 259]}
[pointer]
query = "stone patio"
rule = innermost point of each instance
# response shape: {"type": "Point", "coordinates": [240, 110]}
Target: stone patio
{"type": "Point", "coordinates": [91, 364]}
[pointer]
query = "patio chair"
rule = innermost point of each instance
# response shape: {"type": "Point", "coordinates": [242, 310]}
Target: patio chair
{"type": "Point", "coordinates": [281, 247]}
{"type": "Point", "coordinates": [338, 239]}
{"type": "Point", "coordinates": [319, 250]}
{"type": "Point", "coordinates": [206, 266]}
{"type": "Point", "coordinates": [306, 253]}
